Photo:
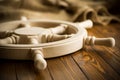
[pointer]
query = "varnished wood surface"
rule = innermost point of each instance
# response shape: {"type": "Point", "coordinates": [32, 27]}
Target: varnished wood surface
{"type": "Point", "coordinates": [90, 63]}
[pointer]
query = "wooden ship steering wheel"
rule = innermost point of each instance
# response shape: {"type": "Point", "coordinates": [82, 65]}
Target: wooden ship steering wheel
{"type": "Point", "coordinates": [38, 39]}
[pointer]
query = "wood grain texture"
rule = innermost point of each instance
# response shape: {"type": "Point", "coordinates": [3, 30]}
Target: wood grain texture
{"type": "Point", "coordinates": [110, 55]}
{"type": "Point", "coordinates": [90, 63]}
{"type": "Point", "coordinates": [7, 70]}
{"type": "Point", "coordinates": [94, 66]}
{"type": "Point", "coordinates": [43, 75]}
{"type": "Point", "coordinates": [67, 68]}
{"type": "Point", "coordinates": [24, 70]}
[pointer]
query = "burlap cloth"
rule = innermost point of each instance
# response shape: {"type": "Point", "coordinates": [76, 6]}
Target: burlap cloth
{"type": "Point", "coordinates": [68, 10]}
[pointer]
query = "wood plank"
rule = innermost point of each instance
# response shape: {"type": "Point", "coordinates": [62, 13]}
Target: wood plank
{"type": "Point", "coordinates": [26, 71]}
{"type": "Point", "coordinates": [58, 70]}
{"type": "Point", "coordinates": [43, 75]}
{"type": "Point", "coordinates": [94, 66]}
{"type": "Point", "coordinates": [110, 55]}
{"type": "Point", "coordinates": [64, 68]}
{"type": "Point", "coordinates": [73, 68]}
{"type": "Point", "coordinates": [7, 70]}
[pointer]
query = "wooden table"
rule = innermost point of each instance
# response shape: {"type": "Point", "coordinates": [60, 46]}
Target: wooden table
{"type": "Point", "coordinates": [90, 63]}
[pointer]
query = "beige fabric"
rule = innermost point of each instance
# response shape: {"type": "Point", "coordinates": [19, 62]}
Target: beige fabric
{"type": "Point", "coordinates": [68, 10]}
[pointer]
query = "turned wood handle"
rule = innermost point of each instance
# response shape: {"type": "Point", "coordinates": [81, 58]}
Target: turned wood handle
{"type": "Point", "coordinates": [39, 62]}
{"type": "Point", "coordinates": [85, 24]}
{"type": "Point", "coordinates": [9, 40]}
{"type": "Point", "coordinates": [26, 23]}
{"type": "Point", "coordinates": [110, 42]}
{"type": "Point", "coordinates": [4, 34]}
{"type": "Point", "coordinates": [58, 29]}
{"type": "Point", "coordinates": [54, 37]}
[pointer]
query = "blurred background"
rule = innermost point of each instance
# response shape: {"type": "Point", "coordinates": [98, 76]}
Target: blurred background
{"type": "Point", "coordinates": [99, 11]}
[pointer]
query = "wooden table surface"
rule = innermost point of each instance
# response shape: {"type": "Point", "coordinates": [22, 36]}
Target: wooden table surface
{"type": "Point", "coordinates": [90, 63]}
